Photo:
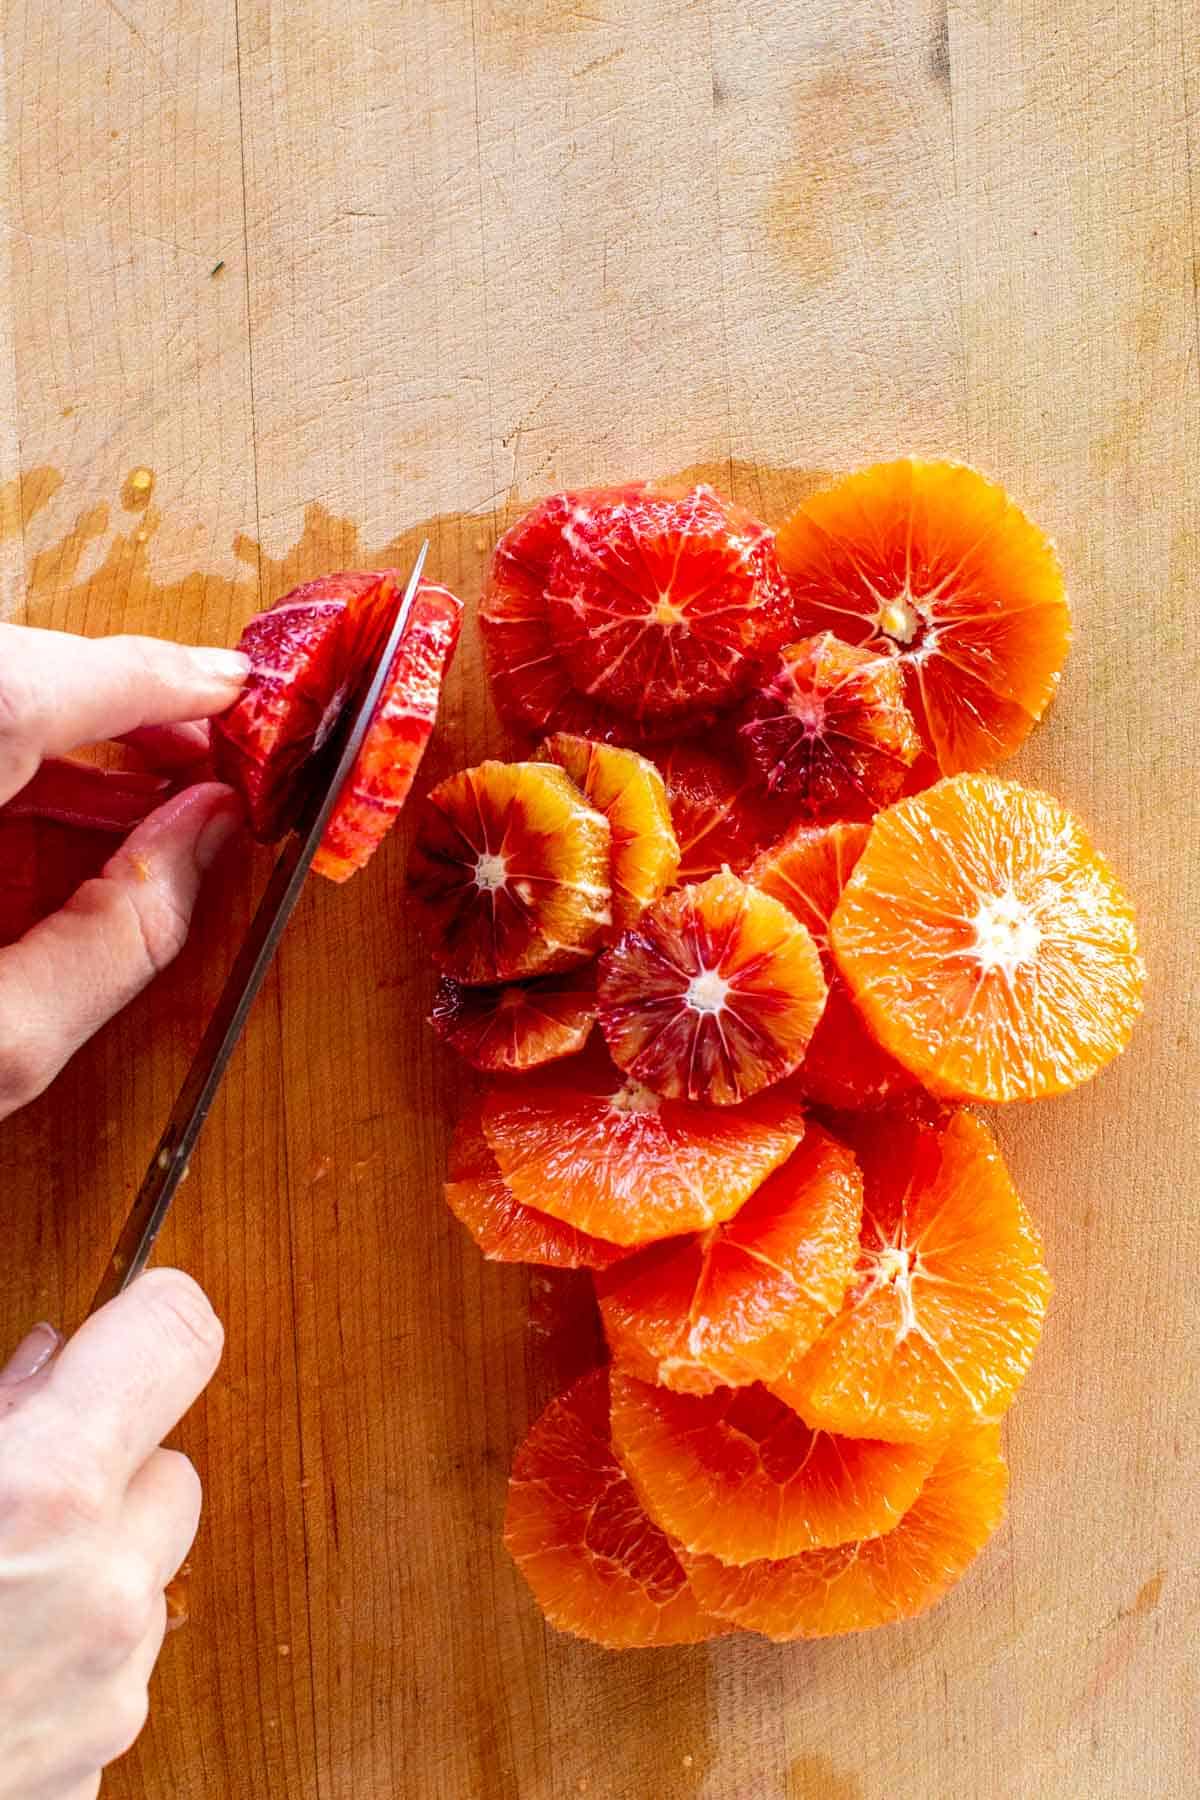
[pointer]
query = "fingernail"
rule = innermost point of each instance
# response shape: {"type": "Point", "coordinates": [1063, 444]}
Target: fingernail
{"type": "Point", "coordinates": [31, 1354]}
{"type": "Point", "coordinates": [228, 666]}
{"type": "Point", "coordinates": [214, 837]}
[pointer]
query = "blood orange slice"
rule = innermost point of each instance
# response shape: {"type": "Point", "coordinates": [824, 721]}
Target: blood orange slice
{"type": "Point", "coordinates": [505, 1230]}
{"type": "Point", "coordinates": [940, 1324]}
{"type": "Point", "coordinates": [713, 995]}
{"type": "Point", "coordinates": [736, 1475]}
{"type": "Point", "coordinates": [899, 1575]}
{"type": "Point", "coordinates": [829, 729]}
{"type": "Point", "coordinates": [629, 791]}
{"type": "Point", "coordinates": [503, 1030]}
{"type": "Point", "coordinates": [588, 1145]}
{"type": "Point", "coordinates": [739, 1302]}
{"type": "Point", "coordinates": [510, 872]}
{"type": "Point", "coordinates": [719, 817]}
{"type": "Point", "coordinates": [934, 565]}
{"type": "Point", "coordinates": [597, 1566]}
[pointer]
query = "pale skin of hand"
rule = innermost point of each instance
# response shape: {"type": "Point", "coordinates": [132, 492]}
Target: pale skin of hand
{"type": "Point", "coordinates": [95, 1517]}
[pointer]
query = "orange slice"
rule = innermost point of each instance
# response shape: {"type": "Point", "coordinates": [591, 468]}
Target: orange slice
{"type": "Point", "coordinates": [934, 565]}
{"type": "Point", "coordinates": [987, 944]}
{"type": "Point", "coordinates": [510, 872]}
{"type": "Point", "coordinates": [503, 1030]}
{"type": "Point", "coordinates": [899, 1575]}
{"type": "Point", "coordinates": [505, 1230]}
{"type": "Point", "coordinates": [629, 791]}
{"type": "Point", "coordinates": [738, 1476]}
{"type": "Point", "coordinates": [829, 729]}
{"type": "Point", "coordinates": [588, 1145]}
{"type": "Point", "coordinates": [720, 820]}
{"type": "Point", "coordinates": [713, 996]}
{"type": "Point", "coordinates": [942, 1319]}
{"type": "Point", "coordinates": [597, 1566]}
{"type": "Point", "coordinates": [740, 1301]}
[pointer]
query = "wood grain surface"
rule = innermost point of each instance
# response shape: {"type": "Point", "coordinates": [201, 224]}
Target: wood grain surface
{"type": "Point", "coordinates": [342, 272]}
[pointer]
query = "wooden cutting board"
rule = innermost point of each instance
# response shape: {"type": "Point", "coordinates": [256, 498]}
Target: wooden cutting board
{"type": "Point", "coordinates": [344, 272]}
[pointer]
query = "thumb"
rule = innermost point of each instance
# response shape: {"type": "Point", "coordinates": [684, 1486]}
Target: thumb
{"type": "Point", "coordinates": [71, 973]}
{"type": "Point", "coordinates": [31, 1358]}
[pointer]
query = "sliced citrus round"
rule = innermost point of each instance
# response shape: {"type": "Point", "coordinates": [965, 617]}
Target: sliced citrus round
{"type": "Point", "coordinates": [720, 818]}
{"type": "Point", "coordinates": [829, 729]}
{"type": "Point", "coordinates": [598, 1150]}
{"type": "Point", "coordinates": [385, 769]}
{"type": "Point", "coordinates": [660, 600]}
{"type": "Point", "coordinates": [597, 1566]}
{"type": "Point", "coordinates": [521, 1025]}
{"type": "Point", "coordinates": [629, 791]}
{"type": "Point", "coordinates": [736, 1475]}
{"type": "Point", "coordinates": [899, 1575]}
{"type": "Point", "coordinates": [504, 1229]}
{"type": "Point", "coordinates": [988, 945]}
{"type": "Point", "coordinates": [713, 995]}
{"type": "Point", "coordinates": [510, 871]}
{"type": "Point", "coordinates": [942, 1318]}
{"type": "Point", "coordinates": [844, 1065]}
{"type": "Point", "coordinates": [739, 1302]}
{"type": "Point", "coordinates": [934, 565]}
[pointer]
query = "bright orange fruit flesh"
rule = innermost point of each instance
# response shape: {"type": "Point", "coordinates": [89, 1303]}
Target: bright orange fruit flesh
{"type": "Point", "coordinates": [597, 1566]}
{"type": "Point", "coordinates": [713, 995]}
{"type": "Point", "coordinates": [988, 945]}
{"type": "Point", "coordinates": [844, 1065]}
{"type": "Point", "coordinates": [510, 872]}
{"type": "Point", "coordinates": [629, 791]}
{"type": "Point", "coordinates": [719, 818]}
{"type": "Point", "coordinates": [504, 1229]}
{"type": "Point", "coordinates": [594, 1148]}
{"type": "Point", "coordinates": [899, 1575]}
{"type": "Point", "coordinates": [503, 1030]}
{"type": "Point", "coordinates": [736, 1475]}
{"type": "Point", "coordinates": [941, 1321]}
{"type": "Point", "coordinates": [830, 730]}
{"type": "Point", "coordinates": [739, 1302]}
{"type": "Point", "coordinates": [934, 565]}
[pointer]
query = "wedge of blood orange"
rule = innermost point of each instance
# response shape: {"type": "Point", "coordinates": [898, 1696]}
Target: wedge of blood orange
{"type": "Point", "coordinates": [829, 729]}
{"type": "Point", "coordinates": [736, 1475]}
{"type": "Point", "coordinates": [720, 818]}
{"type": "Point", "coordinates": [934, 565]}
{"type": "Point", "coordinates": [590, 1146]}
{"type": "Point", "coordinates": [898, 1575]}
{"type": "Point", "coordinates": [739, 1302]}
{"type": "Point", "coordinates": [988, 944]}
{"type": "Point", "coordinates": [510, 872]}
{"type": "Point", "coordinates": [941, 1321]}
{"type": "Point", "coordinates": [713, 995]}
{"type": "Point", "coordinates": [521, 1025]}
{"type": "Point", "coordinates": [597, 1566]}
{"type": "Point", "coordinates": [844, 1065]}
{"type": "Point", "coordinates": [629, 791]}
{"type": "Point", "coordinates": [504, 1229]}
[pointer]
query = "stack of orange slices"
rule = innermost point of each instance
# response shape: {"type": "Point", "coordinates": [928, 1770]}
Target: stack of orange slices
{"type": "Point", "coordinates": [738, 947]}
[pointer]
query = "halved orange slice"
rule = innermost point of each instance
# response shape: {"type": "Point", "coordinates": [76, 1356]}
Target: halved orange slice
{"type": "Point", "coordinates": [629, 791]}
{"type": "Point", "coordinates": [988, 944]}
{"type": "Point", "coordinates": [713, 995]}
{"type": "Point", "coordinates": [510, 872]}
{"type": "Point", "coordinates": [736, 1475]}
{"type": "Point", "coordinates": [934, 565]}
{"type": "Point", "coordinates": [503, 1030]}
{"type": "Point", "coordinates": [720, 817]}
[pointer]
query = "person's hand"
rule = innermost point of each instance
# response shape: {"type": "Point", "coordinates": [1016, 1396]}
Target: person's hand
{"type": "Point", "coordinates": [69, 974]}
{"type": "Point", "coordinates": [95, 1519]}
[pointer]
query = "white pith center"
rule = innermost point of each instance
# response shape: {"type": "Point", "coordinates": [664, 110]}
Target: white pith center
{"type": "Point", "coordinates": [1006, 933]}
{"type": "Point", "coordinates": [634, 1097]}
{"type": "Point", "coordinates": [707, 992]}
{"type": "Point", "coordinates": [666, 612]}
{"type": "Point", "coordinates": [894, 1268]}
{"type": "Point", "coordinates": [900, 619]}
{"type": "Point", "coordinates": [491, 872]}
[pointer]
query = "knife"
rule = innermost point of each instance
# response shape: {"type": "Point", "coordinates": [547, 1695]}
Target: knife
{"type": "Point", "coordinates": [169, 1164]}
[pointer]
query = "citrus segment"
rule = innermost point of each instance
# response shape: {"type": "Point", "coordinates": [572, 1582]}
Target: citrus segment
{"type": "Point", "coordinates": [601, 1152]}
{"type": "Point", "coordinates": [988, 945]}
{"type": "Point", "coordinates": [942, 1318]}
{"type": "Point", "coordinates": [830, 729]}
{"type": "Point", "coordinates": [738, 1302]}
{"type": "Point", "coordinates": [629, 791]}
{"type": "Point", "coordinates": [932, 564]}
{"type": "Point", "coordinates": [895, 1576]}
{"type": "Point", "coordinates": [718, 818]}
{"type": "Point", "coordinates": [597, 1566]}
{"type": "Point", "coordinates": [713, 995]}
{"type": "Point", "coordinates": [504, 1229]}
{"type": "Point", "coordinates": [503, 1030]}
{"type": "Point", "coordinates": [510, 871]}
{"type": "Point", "coordinates": [736, 1475]}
